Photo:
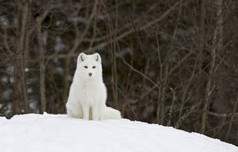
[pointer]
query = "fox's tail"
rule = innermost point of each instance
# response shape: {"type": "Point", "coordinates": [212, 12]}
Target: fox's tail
{"type": "Point", "coordinates": [111, 113]}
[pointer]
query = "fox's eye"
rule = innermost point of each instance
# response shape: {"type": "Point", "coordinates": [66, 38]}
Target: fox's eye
{"type": "Point", "coordinates": [94, 67]}
{"type": "Point", "coordinates": [85, 67]}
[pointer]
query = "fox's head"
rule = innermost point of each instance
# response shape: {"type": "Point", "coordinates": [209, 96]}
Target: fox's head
{"type": "Point", "coordinates": [89, 66]}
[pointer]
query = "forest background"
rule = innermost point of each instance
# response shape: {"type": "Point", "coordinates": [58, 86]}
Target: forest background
{"type": "Point", "coordinates": [170, 62]}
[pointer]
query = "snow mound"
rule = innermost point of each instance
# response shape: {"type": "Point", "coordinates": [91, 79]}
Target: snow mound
{"type": "Point", "coordinates": [59, 133]}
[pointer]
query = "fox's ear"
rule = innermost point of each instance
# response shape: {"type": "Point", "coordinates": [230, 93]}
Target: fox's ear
{"type": "Point", "coordinates": [81, 57]}
{"type": "Point", "coordinates": [97, 57]}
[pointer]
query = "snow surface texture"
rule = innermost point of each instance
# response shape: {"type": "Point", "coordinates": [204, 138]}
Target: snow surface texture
{"type": "Point", "coordinates": [59, 133]}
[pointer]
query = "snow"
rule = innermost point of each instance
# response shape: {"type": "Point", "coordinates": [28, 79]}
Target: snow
{"type": "Point", "coordinates": [59, 133]}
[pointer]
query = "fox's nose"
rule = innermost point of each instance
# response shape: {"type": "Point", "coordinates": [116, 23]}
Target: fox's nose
{"type": "Point", "coordinates": [90, 74]}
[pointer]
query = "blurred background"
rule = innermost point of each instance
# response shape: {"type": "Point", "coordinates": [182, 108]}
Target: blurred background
{"type": "Point", "coordinates": [169, 62]}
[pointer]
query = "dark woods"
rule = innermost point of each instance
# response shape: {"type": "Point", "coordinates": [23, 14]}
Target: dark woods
{"type": "Point", "coordinates": [169, 62]}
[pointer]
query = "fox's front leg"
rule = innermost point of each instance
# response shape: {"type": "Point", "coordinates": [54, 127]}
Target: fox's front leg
{"type": "Point", "coordinates": [95, 112]}
{"type": "Point", "coordinates": [85, 111]}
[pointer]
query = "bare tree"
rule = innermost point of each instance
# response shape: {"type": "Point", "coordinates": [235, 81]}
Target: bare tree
{"type": "Point", "coordinates": [42, 66]}
{"type": "Point", "coordinates": [209, 86]}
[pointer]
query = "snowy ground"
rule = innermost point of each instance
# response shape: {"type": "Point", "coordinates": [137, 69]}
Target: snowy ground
{"type": "Point", "coordinates": [58, 133]}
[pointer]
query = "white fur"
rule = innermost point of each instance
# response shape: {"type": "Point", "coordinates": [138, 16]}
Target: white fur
{"type": "Point", "coordinates": [87, 95]}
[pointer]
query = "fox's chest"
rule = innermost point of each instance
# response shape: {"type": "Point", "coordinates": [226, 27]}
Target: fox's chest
{"type": "Point", "coordinates": [91, 92]}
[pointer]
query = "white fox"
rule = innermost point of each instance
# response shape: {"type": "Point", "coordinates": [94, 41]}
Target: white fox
{"type": "Point", "coordinates": [88, 94]}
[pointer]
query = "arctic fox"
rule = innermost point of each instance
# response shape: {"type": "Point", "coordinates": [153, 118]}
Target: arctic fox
{"type": "Point", "coordinates": [88, 94]}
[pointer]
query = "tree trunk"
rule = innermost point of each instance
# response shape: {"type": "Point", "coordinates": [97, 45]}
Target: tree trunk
{"type": "Point", "coordinates": [214, 47]}
{"type": "Point", "coordinates": [20, 87]}
{"type": "Point", "coordinates": [200, 51]}
{"type": "Point", "coordinates": [42, 66]}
